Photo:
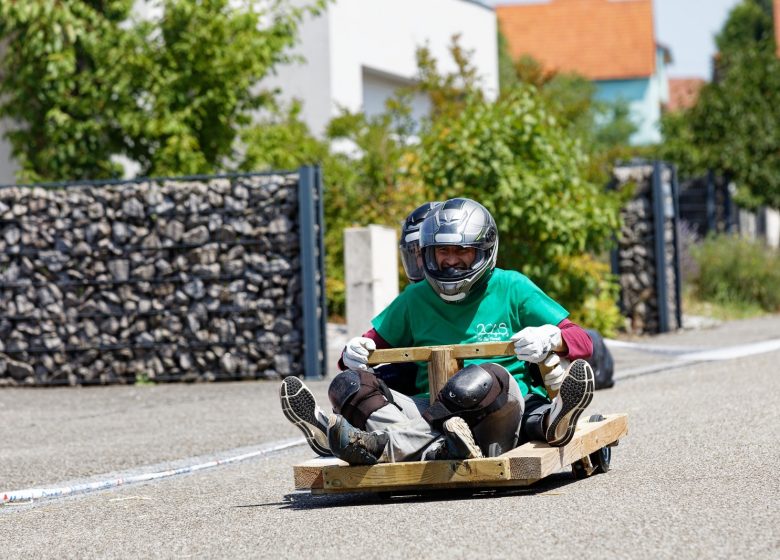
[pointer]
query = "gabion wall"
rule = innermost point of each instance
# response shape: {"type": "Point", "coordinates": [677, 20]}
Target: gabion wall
{"type": "Point", "coordinates": [167, 280]}
{"type": "Point", "coordinates": [636, 257]}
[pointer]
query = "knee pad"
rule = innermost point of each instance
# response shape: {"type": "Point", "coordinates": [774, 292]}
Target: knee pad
{"type": "Point", "coordinates": [484, 396]}
{"type": "Point", "coordinates": [356, 395]}
{"type": "Point", "coordinates": [472, 393]}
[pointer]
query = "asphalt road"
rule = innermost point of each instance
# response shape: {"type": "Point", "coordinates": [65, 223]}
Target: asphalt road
{"type": "Point", "coordinates": [695, 478]}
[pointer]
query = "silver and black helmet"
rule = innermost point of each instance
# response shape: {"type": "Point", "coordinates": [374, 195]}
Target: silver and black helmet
{"type": "Point", "coordinates": [410, 241]}
{"type": "Point", "coordinates": [459, 222]}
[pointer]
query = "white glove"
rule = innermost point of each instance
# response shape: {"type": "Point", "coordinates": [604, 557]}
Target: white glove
{"type": "Point", "coordinates": [532, 344]}
{"type": "Point", "coordinates": [555, 376]}
{"type": "Point", "coordinates": [357, 351]}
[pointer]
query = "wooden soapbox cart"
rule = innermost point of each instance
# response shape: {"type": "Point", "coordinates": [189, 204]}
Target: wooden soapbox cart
{"type": "Point", "coordinates": [588, 452]}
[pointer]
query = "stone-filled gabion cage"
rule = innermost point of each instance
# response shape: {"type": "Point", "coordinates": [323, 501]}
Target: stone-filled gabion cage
{"type": "Point", "coordinates": [647, 261]}
{"type": "Point", "coordinates": [180, 279]}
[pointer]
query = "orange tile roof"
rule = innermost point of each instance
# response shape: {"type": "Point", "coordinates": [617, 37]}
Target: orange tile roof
{"type": "Point", "coordinates": [599, 39]}
{"type": "Point", "coordinates": [683, 93]}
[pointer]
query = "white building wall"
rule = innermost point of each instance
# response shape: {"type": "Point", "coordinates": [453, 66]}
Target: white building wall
{"type": "Point", "coordinates": [377, 40]}
{"type": "Point", "coordinates": [8, 167]}
{"type": "Point", "coordinates": [309, 79]}
{"type": "Point", "coordinates": [382, 36]}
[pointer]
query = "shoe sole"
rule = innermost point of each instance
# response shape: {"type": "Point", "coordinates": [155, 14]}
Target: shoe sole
{"type": "Point", "coordinates": [457, 427]}
{"type": "Point", "coordinates": [298, 405]}
{"type": "Point", "coordinates": [576, 393]}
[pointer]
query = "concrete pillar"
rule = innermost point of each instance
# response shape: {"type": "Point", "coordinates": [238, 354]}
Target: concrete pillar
{"type": "Point", "coordinates": [371, 274]}
{"type": "Point", "coordinates": [772, 221]}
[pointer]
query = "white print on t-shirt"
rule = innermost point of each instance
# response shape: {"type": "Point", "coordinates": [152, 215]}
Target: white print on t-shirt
{"type": "Point", "coordinates": [492, 332]}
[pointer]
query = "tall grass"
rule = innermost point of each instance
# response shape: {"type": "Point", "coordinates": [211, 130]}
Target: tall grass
{"type": "Point", "coordinates": [733, 271]}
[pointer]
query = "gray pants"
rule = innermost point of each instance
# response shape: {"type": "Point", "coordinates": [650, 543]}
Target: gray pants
{"type": "Point", "coordinates": [413, 439]}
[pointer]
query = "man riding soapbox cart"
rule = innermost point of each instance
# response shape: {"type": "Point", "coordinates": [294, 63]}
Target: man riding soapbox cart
{"type": "Point", "coordinates": [498, 413]}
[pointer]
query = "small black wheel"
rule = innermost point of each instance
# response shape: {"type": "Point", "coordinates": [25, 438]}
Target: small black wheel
{"type": "Point", "coordinates": [601, 458]}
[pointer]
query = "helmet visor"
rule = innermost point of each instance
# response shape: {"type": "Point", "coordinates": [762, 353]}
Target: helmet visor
{"type": "Point", "coordinates": [411, 258]}
{"type": "Point", "coordinates": [456, 273]}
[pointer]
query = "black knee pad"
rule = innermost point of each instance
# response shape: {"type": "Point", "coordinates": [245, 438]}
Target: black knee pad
{"type": "Point", "coordinates": [472, 393]}
{"type": "Point", "coordinates": [356, 395]}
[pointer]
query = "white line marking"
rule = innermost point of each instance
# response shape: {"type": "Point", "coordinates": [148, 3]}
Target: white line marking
{"type": "Point", "coordinates": [704, 355]}
{"type": "Point", "coordinates": [651, 348]}
{"type": "Point", "coordinates": [732, 352]}
{"type": "Point", "coordinates": [29, 495]}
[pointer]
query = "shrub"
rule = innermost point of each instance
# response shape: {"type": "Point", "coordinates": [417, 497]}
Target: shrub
{"type": "Point", "coordinates": [734, 270]}
{"type": "Point", "coordinates": [515, 158]}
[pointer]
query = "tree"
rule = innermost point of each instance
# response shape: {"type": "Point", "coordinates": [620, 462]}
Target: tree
{"type": "Point", "coordinates": [734, 127]}
{"type": "Point", "coordinates": [514, 157]}
{"type": "Point", "coordinates": [83, 83]}
{"type": "Point", "coordinates": [62, 87]}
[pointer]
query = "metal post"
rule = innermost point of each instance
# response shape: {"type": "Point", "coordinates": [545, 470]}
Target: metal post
{"type": "Point", "coordinates": [710, 202]}
{"type": "Point", "coordinates": [728, 204]}
{"type": "Point", "coordinates": [676, 233]}
{"type": "Point", "coordinates": [660, 252]}
{"type": "Point", "coordinates": [321, 263]}
{"type": "Point", "coordinates": [312, 339]}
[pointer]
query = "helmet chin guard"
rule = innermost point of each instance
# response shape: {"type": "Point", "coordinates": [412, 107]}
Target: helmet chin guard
{"type": "Point", "coordinates": [459, 222]}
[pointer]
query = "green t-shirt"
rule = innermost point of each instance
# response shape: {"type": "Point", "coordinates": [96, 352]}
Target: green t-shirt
{"type": "Point", "coordinates": [509, 303]}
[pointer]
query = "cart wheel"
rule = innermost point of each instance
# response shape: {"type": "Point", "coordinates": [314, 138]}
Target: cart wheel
{"type": "Point", "coordinates": [601, 458]}
{"type": "Point", "coordinates": [596, 462]}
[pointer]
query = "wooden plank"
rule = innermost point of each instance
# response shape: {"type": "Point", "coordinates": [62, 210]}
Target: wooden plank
{"type": "Point", "coordinates": [308, 475]}
{"type": "Point", "coordinates": [423, 353]}
{"type": "Point", "coordinates": [537, 460]}
{"type": "Point", "coordinates": [417, 473]}
{"type": "Point", "coordinates": [519, 467]}
{"type": "Point", "coordinates": [441, 368]}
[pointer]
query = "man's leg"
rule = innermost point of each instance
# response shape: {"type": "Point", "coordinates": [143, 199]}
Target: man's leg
{"type": "Point", "coordinates": [368, 406]}
{"type": "Point", "coordinates": [499, 431]}
{"type": "Point", "coordinates": [301, 409]}
{"type": "Point", "coordinates": [555, 422]}
{"type": "Point", "coordinates": [382, 425]}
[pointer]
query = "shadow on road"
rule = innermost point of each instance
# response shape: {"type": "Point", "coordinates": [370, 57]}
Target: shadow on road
{"type": "Point", "coordinates": [552, 485]}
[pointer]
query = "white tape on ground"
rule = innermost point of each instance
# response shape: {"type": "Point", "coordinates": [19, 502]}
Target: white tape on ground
{"type": "Point", "coordinates": [686, 358]}
{"type": "Point", "coordinates": [31, 494]}
{"type": "Point", "coordinates": [651, 348]}
{"type": "Point", "coordinates": [732, 352]}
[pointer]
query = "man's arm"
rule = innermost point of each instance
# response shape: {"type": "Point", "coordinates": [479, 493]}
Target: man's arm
{"type": "Point", "coordinates": [575, 342]}
{"type": "Point", "coordinates": [380, 342]}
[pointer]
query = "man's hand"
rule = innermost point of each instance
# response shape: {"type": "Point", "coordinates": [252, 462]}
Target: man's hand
{"type": "Point", "coordinates": [532, 344]}
{"type": "Point", "coordinates": [357, 351]}
{"type": "Point", "coordinates": [554, 377]}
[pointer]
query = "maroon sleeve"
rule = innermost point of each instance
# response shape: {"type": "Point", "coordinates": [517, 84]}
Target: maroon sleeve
{"type": "Point", "coordinates": [577, 340]}
{"type": "Point", "coordinates": [378, 340]}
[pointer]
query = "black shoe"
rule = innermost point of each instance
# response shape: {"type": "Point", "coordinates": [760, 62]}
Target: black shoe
{"type": "Point", "coordinates": [459, 442]}
{"type": "Point", "coordinates": [575, 394]}
{"type": "Point", "coordinates": [355, 446]}
{"type": "Point", "coordinates": [300, 408]}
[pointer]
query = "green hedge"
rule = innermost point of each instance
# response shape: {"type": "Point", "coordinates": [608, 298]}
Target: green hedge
{"type": "Point", "coordinates": [736, 271]}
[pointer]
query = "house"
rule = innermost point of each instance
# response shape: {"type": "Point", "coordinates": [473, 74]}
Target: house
{"type": "Point", "coordinates": [683, 93]}
{"type": "Point", "coordinates": [610, 42]}
{"type": "Point", "coordinates": [359, 52]}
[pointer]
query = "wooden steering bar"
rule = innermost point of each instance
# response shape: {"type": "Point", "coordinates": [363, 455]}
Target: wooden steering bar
{"type": "Point", "coordinates": [444, 361]}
